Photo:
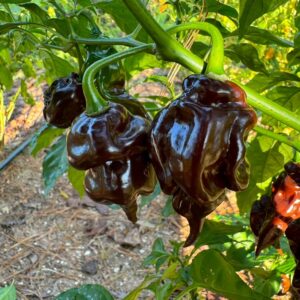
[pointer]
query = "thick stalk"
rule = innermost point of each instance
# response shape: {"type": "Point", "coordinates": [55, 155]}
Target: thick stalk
{"type": "Point", "coordinates": [216, 58]}
{"type": "Point", "coordinates": [279, 137]}
{"type": "Point", "coordinates": [169, 49]}
{"type": "Point", "coordinates": [95, 103]}
{"type": "Point", "coordinates": [271, 108]}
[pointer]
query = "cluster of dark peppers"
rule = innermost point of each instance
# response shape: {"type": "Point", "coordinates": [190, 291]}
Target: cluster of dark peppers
{"type": "Point", "coordinates": [278, 214]}
{"type": "Point", "coordinates": [195, 146]}
{"type": "Point", "coordinates": [112, 147]}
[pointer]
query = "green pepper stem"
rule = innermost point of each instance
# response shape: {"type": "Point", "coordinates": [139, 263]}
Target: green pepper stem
{"type": "Point", "coordinates": [168, 48]}
{"type": "Point", "coordinates": [95, 103]}
{"type": "Point", "coordinates": [126, 41]}
{"type": "Point", "coordinates": [271, 108]}
{"type": "Point", "coordinates": [216, 58]}
{"type": "Point", "coordinates": [279, 137]}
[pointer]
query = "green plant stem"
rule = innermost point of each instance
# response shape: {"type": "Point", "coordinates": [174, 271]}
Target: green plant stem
{"type": "Point", "coordinates": [95, 103]}
{"type": "Point", "coordinates": [271, 108]}
{"type": "Point", "coordinates": [216, 57]}
{"type": "Point", "coordinates": [79, 58]}
{"type": "Point", "coordinates": [279, 137]}
{"type": "Point", "coordinates": [168, 48]}
{"type": "Point", "coordinates": [126, 41]}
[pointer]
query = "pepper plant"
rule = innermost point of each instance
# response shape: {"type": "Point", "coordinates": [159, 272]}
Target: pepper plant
{"type": "Point", "coordinates": [197, 139]}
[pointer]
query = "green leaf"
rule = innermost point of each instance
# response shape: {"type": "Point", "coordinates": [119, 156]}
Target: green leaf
{"type": "Point", "coordinates": [265, 37]}
{"type": "Point", "coordinates": [158, 255]}
{"type": "Point", "coordinates": [37, 11]}
{"type": "Point", "coordinates": [294, 57]}
{"type": "Point", "coordinates": [261, 82]}
{"type": "Point", "coordinates": [43, 138]}
{"type": "Point", "coordinates": [147, 199]}
{"type": "Point", "coordinates": [171, 271]}
{"type": "Point", "coordinates": [250, 10]}
{"type": "Point", "coordinates": [27, 97]}
{"type": "Point", "coordinates": [76, 177]}
{"type": "Point", "coordinates": [86, 292]}
{"type": "Point", "coordinates": [136, 63]}
{"type": "Point", "coordinates": [5, 77]}
{"type": "Point", "coordinates": [55, 163]}
{"type": "Point", "coordinates": [84, 3]}
{"type": "Point", "coordinates": [56, 66]}
{"type": "Point", "coordinates": [28, 68]}
{"type": "Point", "coordinates": [60, 25]}
{"type": "Point", "coordinates": [164, 291]}
{"type": "Point", "coordinates": [267, 158]}
{"type": "Point", "coordinates": [241, 258]}
{"type": "Point", "coordinates": [119, 12]}
{"type": "Point", "coordinates": [211, 270]}
{"type": "Point", "coordinates": [214, 232]}
{"type": "Point", "coordinates": [248, 55]}
{"type": "Point", "coordinates": [5, 17]}
{"type": "Point", "coordinates": [168, 209]}
{"type": "Point", "coordinates": [134, 294]}
{"type": "Point", "coordinates": [220, 8]}
{"type": "Point", "coordinates": [8, 293]}
{"type": "Point", "coordinates": [14, 1]}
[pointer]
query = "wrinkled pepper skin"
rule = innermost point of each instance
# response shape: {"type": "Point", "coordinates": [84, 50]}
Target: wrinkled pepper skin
{"type": "Point", "coordinates": [121, 181]}
{"type": "Point", "coordinates": [110, 135]}
{"type": "Point", "coordinates": [293, 234]}
{"type": "Point", "coordinates": [64, 101]}
{"type": "Point", "coordinates": [197, 143]}
{"type": "Point", "coordinates": [279, 210]}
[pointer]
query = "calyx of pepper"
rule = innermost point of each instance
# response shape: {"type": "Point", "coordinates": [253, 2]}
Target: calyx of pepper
{"type": "Point", "coordinates": [64, 101]}
{"type": "Point", "coordinates": [197, 143]}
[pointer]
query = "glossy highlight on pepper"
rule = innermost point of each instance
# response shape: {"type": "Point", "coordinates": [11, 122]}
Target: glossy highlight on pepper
{"type": "Point", "coordinates": [197, 143]}
{"type": "Point", "coordinates": [109, 135]}
{"type": "Point", "coordinates": [121, 181]}
{"type": "Point", "coordinates": [64, 101]}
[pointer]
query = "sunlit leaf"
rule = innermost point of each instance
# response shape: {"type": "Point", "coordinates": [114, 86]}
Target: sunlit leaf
{"type": "Point", "coordinates": [250, 10]}
{"type": "Point", "coordinates": [55, 163]}
{"type": "Point", "coordinates": [86, 292]}
{"type": "Point", "coordinates": [211, 270]}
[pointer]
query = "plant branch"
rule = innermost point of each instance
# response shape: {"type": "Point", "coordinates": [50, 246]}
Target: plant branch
{"type": "Point", "coordinates": [168, 48]}
{"type": "Point", "coordinates": [279, 137]}
{"type": "Point", "coordinates": [95, 103]}
{"type": "Point", "coordinates": [126, 41]}
{"type": "Point", "coordinates": [271, 108]}
{"type": "Point", "coordinates": [216, 57]}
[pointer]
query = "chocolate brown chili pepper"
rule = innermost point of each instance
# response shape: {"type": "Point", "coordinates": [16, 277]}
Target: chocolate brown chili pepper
{"type": "Point", "coordinates": [111, 135]}
{"type": "Point", "coordinates": [121, 181]}
{"type": "Point", "coordinates": [63, 101]}
{"type": "Point", "coordinates": [197, 142]}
